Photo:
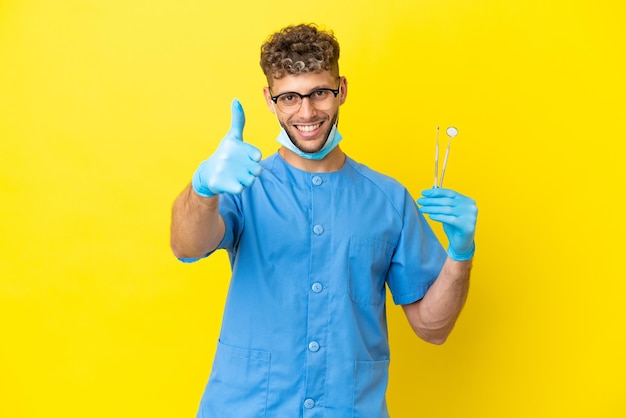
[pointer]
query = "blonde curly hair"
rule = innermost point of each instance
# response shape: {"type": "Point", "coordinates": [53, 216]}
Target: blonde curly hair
{"type": "Point", "coordinates": [299, 49]}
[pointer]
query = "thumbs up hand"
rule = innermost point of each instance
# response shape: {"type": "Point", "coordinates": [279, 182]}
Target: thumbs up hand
{"type": "Point", "coordinates": [234, 165]}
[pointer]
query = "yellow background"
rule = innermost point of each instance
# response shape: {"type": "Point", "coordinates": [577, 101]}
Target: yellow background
{"type": "Point", "coordinates": [108, 106]}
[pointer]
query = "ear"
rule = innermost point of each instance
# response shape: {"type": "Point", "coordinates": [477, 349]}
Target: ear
{"type": "Point", "coordinates": [343, 90]}
{"type": "Point", "coordinates": [268, 99]}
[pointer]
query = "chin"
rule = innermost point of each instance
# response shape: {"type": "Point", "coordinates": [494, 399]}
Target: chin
{"type": "Point", "coordinates": [309, 149]}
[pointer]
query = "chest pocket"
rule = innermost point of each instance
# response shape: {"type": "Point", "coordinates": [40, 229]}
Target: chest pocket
{"type": "Point", "coordinates": [368, 264]}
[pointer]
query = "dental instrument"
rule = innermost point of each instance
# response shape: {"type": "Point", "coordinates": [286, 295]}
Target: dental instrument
{"type": "Point", "coordinates": [451, 132]}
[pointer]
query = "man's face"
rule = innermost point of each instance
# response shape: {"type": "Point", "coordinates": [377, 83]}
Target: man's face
{"type": "Point", "coordinates": [308, 127]}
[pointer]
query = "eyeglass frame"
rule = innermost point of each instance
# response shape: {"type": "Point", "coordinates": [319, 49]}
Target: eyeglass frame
{"type": "Point", "coordinates": [274, 99]}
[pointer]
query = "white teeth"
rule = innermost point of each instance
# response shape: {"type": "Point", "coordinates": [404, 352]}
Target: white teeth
{"type": "Point", "coordinates": [308, 128]}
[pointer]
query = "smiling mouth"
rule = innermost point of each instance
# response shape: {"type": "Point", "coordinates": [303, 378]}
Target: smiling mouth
{"type": "Point", "coordinates": [308, 128]}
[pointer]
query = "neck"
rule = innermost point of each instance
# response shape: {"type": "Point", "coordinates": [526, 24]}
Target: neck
{"type": "Point", "coordinates": [334, 161]}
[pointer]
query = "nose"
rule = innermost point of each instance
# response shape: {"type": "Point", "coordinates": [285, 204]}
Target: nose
{"type": "Point", "coordinates": [306, 108]}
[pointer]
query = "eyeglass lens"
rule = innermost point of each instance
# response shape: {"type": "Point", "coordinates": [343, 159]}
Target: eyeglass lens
{"type": "Point", "coordinates": [321, 99]}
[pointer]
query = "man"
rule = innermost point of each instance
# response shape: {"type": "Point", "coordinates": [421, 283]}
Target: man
{"type": "Point", "coordinates": [314, 238]}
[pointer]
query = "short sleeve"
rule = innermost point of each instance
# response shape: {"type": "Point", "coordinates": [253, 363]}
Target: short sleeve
{"type": "Point", "coordinates": [417, 259]}
{"type": "Point", "coordinates": [230, 210]}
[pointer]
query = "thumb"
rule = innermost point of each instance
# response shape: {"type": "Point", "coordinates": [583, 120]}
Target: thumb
{"type": "Point", "coordinates": [238, 120]}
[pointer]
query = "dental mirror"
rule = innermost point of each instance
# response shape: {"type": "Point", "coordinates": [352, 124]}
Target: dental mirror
{"type": "Point", "coordinates": [451, 132]}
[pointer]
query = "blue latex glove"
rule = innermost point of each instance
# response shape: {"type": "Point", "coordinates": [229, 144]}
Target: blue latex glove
{"type": "Point", "coordinates": [234, 165]}
{"type": "Point", "coordinates": [458, 214]}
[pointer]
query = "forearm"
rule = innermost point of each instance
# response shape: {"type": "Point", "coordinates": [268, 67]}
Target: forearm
{"type": "Point", "coordinates": [433, 317]}
{"type": "Point", "coordinates": [197, 227]}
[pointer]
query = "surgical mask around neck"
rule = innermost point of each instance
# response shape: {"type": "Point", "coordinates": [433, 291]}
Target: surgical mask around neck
{"type": "Point", "coordinates": [334, 137]}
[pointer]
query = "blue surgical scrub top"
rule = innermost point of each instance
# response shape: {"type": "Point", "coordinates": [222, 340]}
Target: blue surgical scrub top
{"type": "Point", "coordinates": [304, 331]}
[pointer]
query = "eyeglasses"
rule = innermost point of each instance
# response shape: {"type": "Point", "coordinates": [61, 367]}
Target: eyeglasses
{"type": "Point", "coordinates": [290, 102]}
